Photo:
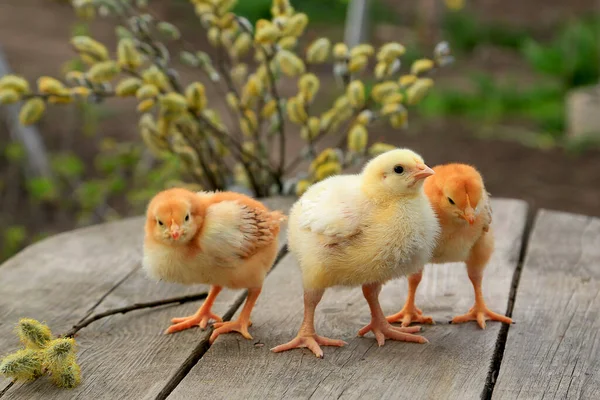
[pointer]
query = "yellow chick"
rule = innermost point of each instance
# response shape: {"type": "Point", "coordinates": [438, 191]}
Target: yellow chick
{"type": "Point", "coordinates": [362, 230]}
{"type": "Point", "coordinates": [224, 239]}
{"type": "Point", "coordinates": [459, 198]}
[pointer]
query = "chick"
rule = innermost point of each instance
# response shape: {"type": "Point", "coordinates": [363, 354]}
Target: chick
{"type": "Point", "coordinates": [462, 205]}
{"type": "Point", "coordinates": [362, 230]}
{"type": "Point", "coordinates": [223, 239]}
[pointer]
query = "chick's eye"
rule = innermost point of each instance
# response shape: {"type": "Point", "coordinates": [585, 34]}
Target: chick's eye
{"type": "Point", "coordinates": [450, 200]}
{"type": "Point", "coordinates": [160, 223]}
{"type": "Point", "coordinates": [398, 169]}
{"type": "Point", "coordinates": [187, 217]}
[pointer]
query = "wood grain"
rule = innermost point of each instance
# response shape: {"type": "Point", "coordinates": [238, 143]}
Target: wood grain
{"type": "Point", "coordinates": [453, 365]}
{"type": "Point", "coordinates": [123, 356]}
{"type": "Point", "coordinates": [554, 350]}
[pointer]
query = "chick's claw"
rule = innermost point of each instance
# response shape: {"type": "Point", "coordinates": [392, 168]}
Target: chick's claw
{"type": "Point", "coordinates": [408, 315]}
{"type": "Point", "coordinates": [198, 319]}
{"type": "Point", "coordinates": [481, 313]}
{"type": "Point", "coordinates": [313, 343]}
{"type": "Point", "coordinates": [383, 330]}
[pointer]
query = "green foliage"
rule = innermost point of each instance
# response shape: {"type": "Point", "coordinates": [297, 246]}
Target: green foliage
{"type": "Point", "coordinates": [570, 59]}
{"type": "Point", "coordinates": [42, 189]}
{"type": "Point", "coordinates": [465, 32]}
{"type": "Point", "coordinates": [68, 165]}
{"type": "Point", "coordinates": [13, 238]}
{"type": "Point", "coordinates": [318, 11]}
{"type": "Point", "coordinates": [14, 152]}
{"type": "Point", "coordinates": [573, 57]}
{"type": "Point", "coordinates": [43, 354]}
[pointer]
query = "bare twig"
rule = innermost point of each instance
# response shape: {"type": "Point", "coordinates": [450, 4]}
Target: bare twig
{"type": "Point", "coordinates": [133, 307]}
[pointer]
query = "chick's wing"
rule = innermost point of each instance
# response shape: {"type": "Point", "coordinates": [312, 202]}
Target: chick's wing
{"type": "Point", "coordinates": [236, 230]}
{"type": "Point", "coordinates": [333, 211]}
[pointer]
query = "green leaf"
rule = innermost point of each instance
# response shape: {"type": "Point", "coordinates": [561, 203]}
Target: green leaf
{"type": "Point", "coordinates": [91, 194]}
{"type": "Point", "coordinates": [42, 189]}
{"type": "Point", "coordinates": [68, 165]}
{"type": "Point", "coordinates": [14, 238]}
{"type": "Point", "coordinates": [116, 185]}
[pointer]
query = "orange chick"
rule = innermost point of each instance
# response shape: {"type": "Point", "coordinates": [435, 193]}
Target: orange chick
{"type": "Point", "coordinates": [224, 239]}
{"type": "Point", "coordinates": [461, 203]}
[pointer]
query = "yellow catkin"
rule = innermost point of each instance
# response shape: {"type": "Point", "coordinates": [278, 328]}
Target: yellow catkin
{"type": "Point", "coordinates": [421, 66]}
{"type": "Point", "coordinates": [328, 169]}
{"type": "Point", "coordinates": [32, 111]}
{"type": "Point", "coordinates": [14, 82]}
{"type": "Point", "coordinates": [49, 85]}
{"type": "Point", "coordinates": [362, 50]}
{"type": "Point", "coordinates": [127, 54]}
{"type": "Point", "coordinates": [103, 72]}
{"type": "Point", "coordinates": [356, 94]}
{"type": "Point", "coordinates": [406, 80]}
{"type": "Point", "coordinates": [9, 96]}
{"type": "Point", "coordinates": [380, 148]}
{"type": "Point", "coordinates": [357, 63]}
{"type": "Point", "coordinates": [390, 52]}
{"type": "Point", "coordinates": [308, 85]}
{"type": "Point", "coordinates": [358, 138]}
{"type": "Point", "coordinates": [147, 91]}
{"type": "Point", "coordinates": [195, 95]}
{"type": "Point", "coordinates": [318, 51]}
{"type": "Point", "coordinates": [128, 87]}
{"type": "Point", "coordinates": [86, 45]}
{"type": "Point", "coordinates": [146, 105]}
{"type": "Point", "coordinates": [418, 90]}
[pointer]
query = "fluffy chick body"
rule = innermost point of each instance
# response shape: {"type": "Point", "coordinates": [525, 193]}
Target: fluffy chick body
{"type": "Point", "coordinates": [384, 239]}
{"type": "Point", "coordinates": [363, 229]}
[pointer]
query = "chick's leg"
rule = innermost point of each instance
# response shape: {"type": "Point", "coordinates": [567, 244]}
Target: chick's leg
{"type": "Point", "coordinates": [241, 324]}
{"type": "Point", "coordinates": [202, 316]}
{"type": "Point", "coordinates": [476, 263]}
{"type": "Point", "coordinates": [411, 313]}
{"type": "Point", "coordinates": [307, 337]}
{"type": "Point", "coordinates": [380, 327]}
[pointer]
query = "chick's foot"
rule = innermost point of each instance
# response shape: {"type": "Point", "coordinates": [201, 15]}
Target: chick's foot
{"type": "Point", "coordinates": [312, 342]}
{"type": "Point", "coordinates": [410, 314]}
{"type": "Point", "coordinates": [238, 326]}
{"type": "Point", "coordinates": [480, 313]}
{"type": "Point", "coordinates": [201, 319]}
{"type": "Point", "coordinates": [202, 316]}
{"type": "Point", "coordinates": [383, 330]}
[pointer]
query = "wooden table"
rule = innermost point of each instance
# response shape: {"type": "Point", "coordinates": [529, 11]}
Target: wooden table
{"type": "Point", "coordinates": [546, 277]}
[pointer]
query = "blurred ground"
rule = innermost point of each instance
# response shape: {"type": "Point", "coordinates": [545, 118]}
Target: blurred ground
{"type": "Point", "coordinates": [34, 35]}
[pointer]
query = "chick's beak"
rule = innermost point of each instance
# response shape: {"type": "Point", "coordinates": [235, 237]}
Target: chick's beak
{"type": "Point", "coordinates": [469, 215]}
{"type": "Point", "coordinates": [175, 233]}
{"type": "Point", "coordinates": [422, 172]}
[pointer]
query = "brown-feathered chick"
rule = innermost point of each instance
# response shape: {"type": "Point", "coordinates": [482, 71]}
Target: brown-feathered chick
{"type": "Point", "coordinates": [461, 203]}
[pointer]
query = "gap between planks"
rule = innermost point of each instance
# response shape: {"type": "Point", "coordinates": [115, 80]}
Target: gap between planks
{"type": "Point", "coordinates": [496, 362]}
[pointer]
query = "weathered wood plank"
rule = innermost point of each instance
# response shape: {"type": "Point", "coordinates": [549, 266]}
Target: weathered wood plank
{"type": "Point", "coordinates": [59, 279]}
{"type": "Point", "coordinates": [128, 356]}
{"type": "Point", "coordinates": [554, 349]}
{"type": "Point", "coordinates": [453, 365]}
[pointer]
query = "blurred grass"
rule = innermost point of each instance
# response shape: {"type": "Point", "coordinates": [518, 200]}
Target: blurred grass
{"type": "Point", "coordinates": [569, 60]}
{"type": "Point", "coordinates": [318, 11]}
